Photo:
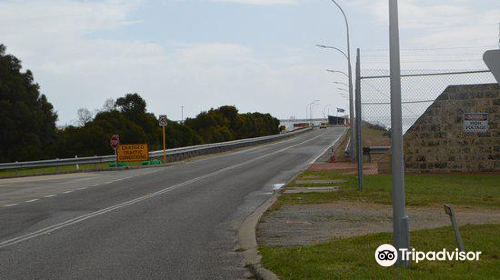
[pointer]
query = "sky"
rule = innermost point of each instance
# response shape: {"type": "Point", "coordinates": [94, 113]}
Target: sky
{"type": "Point", "coordinates": [258, 55]}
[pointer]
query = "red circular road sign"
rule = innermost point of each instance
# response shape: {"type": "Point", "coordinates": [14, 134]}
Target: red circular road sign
{"type": "Point", "coordinates": [114, 142]}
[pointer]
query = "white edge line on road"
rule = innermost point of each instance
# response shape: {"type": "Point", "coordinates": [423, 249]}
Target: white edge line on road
{"type": "Point", "coordinates": [68, 192]}
{"type": "Point", "coordinates": [327, 148]}
{"type": "Point", "coordinates": [32, 200]}
{"type": "Point", "coordinates": [50, 195]}
{"type": "Point", "coordinates": [81, 218]}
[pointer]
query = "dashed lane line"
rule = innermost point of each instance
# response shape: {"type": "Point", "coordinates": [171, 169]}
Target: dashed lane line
{"type": "Point", "coordinates": [10, 205]}
{"type": "Point", "coordinates": [81, 218]}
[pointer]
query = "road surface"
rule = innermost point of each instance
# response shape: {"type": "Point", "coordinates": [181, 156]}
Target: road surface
{"type": "Point", "coordinates": [176, 222]}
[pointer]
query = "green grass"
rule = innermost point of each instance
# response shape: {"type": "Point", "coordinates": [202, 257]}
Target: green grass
{"type": "Point", "coordinates": [354, 258]}
{"type": "Point", "coordinates": [481, 190]}
{"type": "Point", "coordinates": [52, 169]}
{"type": "Point", "coordinates": [371, 137]}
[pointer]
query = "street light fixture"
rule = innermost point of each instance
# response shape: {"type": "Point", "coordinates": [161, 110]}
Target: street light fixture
{"type": "Point", "coordinates": [351, 90]}
{"type": "Point", "coordinates": [340, 83]}
{"type": "Point", "coordinates": [334, 48]}
{"type": "Point", "coordinates": [336, 71]}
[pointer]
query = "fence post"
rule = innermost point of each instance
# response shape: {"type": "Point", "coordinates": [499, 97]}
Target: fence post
{"type": "Point", "coordinates": [359, 121]}
{"type": "Point", "coordinates": [77, 165]}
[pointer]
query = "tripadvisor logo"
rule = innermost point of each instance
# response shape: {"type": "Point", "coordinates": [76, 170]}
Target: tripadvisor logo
{"type": "Point", "coordinates": [386, 255]}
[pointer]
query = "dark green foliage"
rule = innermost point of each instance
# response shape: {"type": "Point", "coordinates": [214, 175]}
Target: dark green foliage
{"type": "Point", "coordinates": [225, 124]}
{"type": "Point", "coordinates": [27, 119]}
{"type": "Point", "coordinates": [28, 130]}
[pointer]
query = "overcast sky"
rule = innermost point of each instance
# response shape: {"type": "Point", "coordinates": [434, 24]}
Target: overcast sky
{"type": "Point", "coordinates": [259, 55]}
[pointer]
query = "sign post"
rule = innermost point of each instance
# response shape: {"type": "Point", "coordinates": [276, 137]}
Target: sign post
{"type": "Point", "coordinates": [163, 123]}
{"type": "Point", "coordinates": [114, 142]}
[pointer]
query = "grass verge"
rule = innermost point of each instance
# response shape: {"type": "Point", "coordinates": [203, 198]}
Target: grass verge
{"type": "Point", "coordinates": [480, 190]}
{"type": "Point", "coordinates": [354, 258]}
{"type": "Point", "coordinates": [62, 169]}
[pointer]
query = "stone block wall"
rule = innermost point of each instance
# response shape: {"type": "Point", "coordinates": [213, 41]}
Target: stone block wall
{"type": "Point", "coordinates": [437, 141]}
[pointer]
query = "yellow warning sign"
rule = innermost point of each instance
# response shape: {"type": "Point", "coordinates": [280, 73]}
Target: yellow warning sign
{"type": "Point", "coordinates": [132, 152]}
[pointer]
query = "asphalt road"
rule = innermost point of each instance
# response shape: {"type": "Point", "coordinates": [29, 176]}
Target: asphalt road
{"type": "Point", "coordinates": [177, 222]}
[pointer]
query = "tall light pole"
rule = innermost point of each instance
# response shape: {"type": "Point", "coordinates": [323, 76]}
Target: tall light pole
{"type": "Point", "coordinates": [324, 109]}
{"type": "Point", "coordinates": [311, 112]}
{"type": "Point", "coordinates": [351, 90]}
{"type": "Point", "coordinates": [309, 107]}
{"type": "Point", "coordinates": [400, 221]}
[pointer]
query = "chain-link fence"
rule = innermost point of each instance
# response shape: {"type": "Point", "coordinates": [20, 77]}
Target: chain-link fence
{"type": "Point", "coordinates": [419, 90]}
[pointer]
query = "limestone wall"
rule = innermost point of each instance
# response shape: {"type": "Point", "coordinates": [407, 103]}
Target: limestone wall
{"type": "Point", "coordinates": [437, 141]}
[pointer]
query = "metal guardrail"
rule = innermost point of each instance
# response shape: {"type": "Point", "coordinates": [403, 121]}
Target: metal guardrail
{"type": "Point", "coordinates": [375, 150]}
{"type": "Point", "coordinates": [172, 154]}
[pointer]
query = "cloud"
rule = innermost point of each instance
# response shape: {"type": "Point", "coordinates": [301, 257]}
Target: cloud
{"type": "Point", "coordinates": [261, 2]}
{"type": "Point", "coordinates": [438, 23]}
{"type": "Point", "coordinates": [76, 68]}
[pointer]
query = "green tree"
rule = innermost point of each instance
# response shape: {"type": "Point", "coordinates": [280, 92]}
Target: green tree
{"type": "Point", "coordinates": [27, 119]}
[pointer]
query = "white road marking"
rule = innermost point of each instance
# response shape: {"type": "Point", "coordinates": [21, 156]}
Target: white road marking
{"type": "Point", "coordinates": [10, 205]}
{"type": "Point", "coordinates": [324, 151]}
{"type": "Point", "coordinates": [82, 188]}
{"type": "Point", "coordinates": [50, 195]}
{"type": "Point", "coordinates": [68, 192]}
{"type": "Point", "coordinates": [32, 200]}
{"type": "Point", "coordinates": [277, 187]}
{"type": "Point", "coordinates": [82, 218]}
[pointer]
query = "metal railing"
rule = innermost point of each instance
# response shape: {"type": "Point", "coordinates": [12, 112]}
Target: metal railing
{"type": "Point", "coordinates": [176, 154]}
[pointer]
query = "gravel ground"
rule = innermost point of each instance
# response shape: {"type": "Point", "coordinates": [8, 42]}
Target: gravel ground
{"type": "Point", "coordinates": [298, 225]}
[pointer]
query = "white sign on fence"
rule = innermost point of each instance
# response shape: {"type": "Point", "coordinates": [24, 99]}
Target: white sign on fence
{"type": "Point", "coordinates": [492, 60]}
{"type": "Point", "coordinates": [476, 122]}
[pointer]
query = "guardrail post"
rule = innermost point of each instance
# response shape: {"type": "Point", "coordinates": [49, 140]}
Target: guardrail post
{"type": "Point", "coordinates": [57, 165]}
{"type": "Point", "coordinates": [77, 165]}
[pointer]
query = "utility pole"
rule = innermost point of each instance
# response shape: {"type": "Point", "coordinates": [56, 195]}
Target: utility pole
{"type": "Point", "coordinates": [401, 235]}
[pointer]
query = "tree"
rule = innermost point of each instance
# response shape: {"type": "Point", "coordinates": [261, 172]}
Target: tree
{"type": "Point", "coordinates": [84, 116]}
{"type": "Point", "coordinates": [27, 119]}
{"type": "Point", "coordinates": [109, 105]}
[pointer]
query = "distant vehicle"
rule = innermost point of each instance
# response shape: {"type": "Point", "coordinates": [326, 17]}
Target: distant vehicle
{"type": "Point", "coordinates": [323, 125]}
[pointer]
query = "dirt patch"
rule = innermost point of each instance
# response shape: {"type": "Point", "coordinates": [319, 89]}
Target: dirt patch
{"type": "Point", "coordinates": [298, 225]}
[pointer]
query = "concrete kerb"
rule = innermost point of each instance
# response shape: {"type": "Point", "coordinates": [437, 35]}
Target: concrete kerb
{"type": "Point", "coordinates": [248, 241]}
{"type": "Point", "coordinates": [247, 238]}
